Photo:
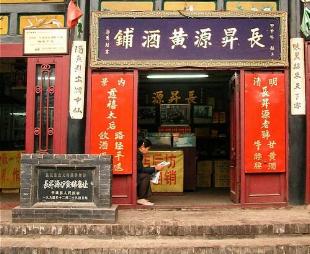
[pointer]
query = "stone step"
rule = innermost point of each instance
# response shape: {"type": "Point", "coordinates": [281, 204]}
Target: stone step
{"type": "Point", "coordinates": [170, 245]}
{"type": "Point", "coordinates": [211, 224]}
{"type": "Point", "coordinates": [154, 230]}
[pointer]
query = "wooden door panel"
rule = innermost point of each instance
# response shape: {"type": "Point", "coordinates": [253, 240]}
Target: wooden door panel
{"type": "Point", "coordinates": [122, 189]}
{"type": "Point", "coordinates": [234, 140]}
{"type": "Point", "coordinates": [307, 51]}
{"type": "Point", "coordinates": [102, 134]}
{"type": "Point", "coordinates": [265, 188]}
{"type": "Point", "coordinates": [54, 92]}
{"type": "Point", "coordinates": [264, 157]}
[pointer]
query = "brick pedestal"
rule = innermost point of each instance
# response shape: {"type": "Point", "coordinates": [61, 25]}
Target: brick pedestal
{"type": "Point", "coordinates": [65, 188]}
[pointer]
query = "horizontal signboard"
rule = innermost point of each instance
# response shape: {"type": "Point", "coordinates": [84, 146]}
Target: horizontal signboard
{"type": "Point", "coordinates": [198, 39]}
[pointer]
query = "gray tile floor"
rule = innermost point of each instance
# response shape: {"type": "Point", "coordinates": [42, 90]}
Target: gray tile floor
{"type": "Point", "coordinates": [200, 197]}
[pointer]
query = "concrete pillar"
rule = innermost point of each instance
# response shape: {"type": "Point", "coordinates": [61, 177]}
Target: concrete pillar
{"type": "Point", "coordinates": [297, 127]}
{"type": "Point", "coordinates": [76, 127]}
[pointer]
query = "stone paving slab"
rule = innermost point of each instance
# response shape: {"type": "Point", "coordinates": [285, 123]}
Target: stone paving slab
{"type": "Point", "coordinates": [79, 243]}
{"type": "Point", "coordinates": [296, 214]}
{"type": "Point", "coordinates": [235, 216]}
{"type": "Point", "coordinates": [156, 223]}
{"type": "Point", "coordinates": [150, 231]}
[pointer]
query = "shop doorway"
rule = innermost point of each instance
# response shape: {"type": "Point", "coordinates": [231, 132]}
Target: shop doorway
{"type": "Point", "coordinates": [12, 119]}
{"type": "Point", "coordinates": [12, 103]}
{"type": "Point", "coordinates": [196, 114]}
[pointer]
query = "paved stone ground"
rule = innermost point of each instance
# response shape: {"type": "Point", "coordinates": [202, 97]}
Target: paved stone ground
{"type": "Point", "coordinates": [277, 243]}
{"type": "Point", "coordinates": [232, 216]}
{"type": "Point", "coordinates": [133, 242]}
{"type": "Point", "coordinates": [216, 216]}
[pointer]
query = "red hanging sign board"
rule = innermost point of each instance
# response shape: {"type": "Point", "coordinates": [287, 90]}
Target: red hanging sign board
{"type": "Point", "coordinates": [111, 130]}
{"type": "Point", "coordinates": [265, 122]}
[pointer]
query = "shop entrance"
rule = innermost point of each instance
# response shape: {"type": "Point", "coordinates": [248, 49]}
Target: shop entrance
{"type": "Point", "coordinates": [13, 103]}
{"type": "Point", "coordinates": [12, 119]}
{"type": "Point", "coordinates": [195, 113]}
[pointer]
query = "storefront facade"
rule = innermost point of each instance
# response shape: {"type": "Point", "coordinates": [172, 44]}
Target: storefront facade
{"type": "Point", "coordinates": [282, 187]}
{"type": "Point", "coordinates": [258, 174]}
{"type": "Point", "coordinates": [267, 178]}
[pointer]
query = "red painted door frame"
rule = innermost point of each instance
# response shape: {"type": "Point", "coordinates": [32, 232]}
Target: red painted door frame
{"type": "Point", "coordinates": [235, 138]}
{"type": "Point", "coordinates": [61, 98]}
{"type": "Point", "coordinates": [307, 58]}
{"type": "Point", "coordinates": [253, 196]}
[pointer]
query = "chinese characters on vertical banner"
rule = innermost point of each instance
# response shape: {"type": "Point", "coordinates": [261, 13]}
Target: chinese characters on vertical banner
{"type": "Point", "coordinates": [112, 118]}
{"type": "Point", "coordinates": [77, 79]}
{"type": "Point", "coordinates": [265, 122]}
{"type": "Point", "coordinates": [298, 96]}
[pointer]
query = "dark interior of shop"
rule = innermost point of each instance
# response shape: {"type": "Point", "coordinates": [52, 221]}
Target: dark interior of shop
{"type": "Point", "coordinates": [190, 114]}
{"type": "Point", "coordinates": [12, 103]}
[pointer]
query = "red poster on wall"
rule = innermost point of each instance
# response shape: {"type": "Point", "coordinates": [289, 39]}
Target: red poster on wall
{"type": "Point", "coordinates": [111, 130]}
{"type": "Point", "coordinates": [265, 122]}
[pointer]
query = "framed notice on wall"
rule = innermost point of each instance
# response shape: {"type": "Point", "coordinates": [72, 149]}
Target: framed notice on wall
{"type": "Point", "coordinates": [265, 122]}
{"type": "Point", "coordinates": [111, 118]}
{"type": "Point", "coordinates": [39, 41]}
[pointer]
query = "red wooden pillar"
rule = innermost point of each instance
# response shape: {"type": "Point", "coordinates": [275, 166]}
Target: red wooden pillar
{"type": "Point", "coordinates": [264, 139]}
{"type": "Point", "coordinates": [307, 57]}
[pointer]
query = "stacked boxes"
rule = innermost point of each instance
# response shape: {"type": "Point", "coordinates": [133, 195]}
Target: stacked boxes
{"type": "Point", "coordinates": [221, 173]}
{"type": "Point", "coordinates": [204, 172]}
{"type": "Point", "coordinates": [219, 169]}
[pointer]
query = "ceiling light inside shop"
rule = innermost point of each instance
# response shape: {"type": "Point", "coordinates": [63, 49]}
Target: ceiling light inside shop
{"type": "Point", "coordinates": [175, 76]}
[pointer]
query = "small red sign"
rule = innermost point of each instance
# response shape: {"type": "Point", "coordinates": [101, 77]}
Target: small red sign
{"type": "Point", "coordinates": [111, 130]}
{"type": "Point", "coordinates": [265, 122]}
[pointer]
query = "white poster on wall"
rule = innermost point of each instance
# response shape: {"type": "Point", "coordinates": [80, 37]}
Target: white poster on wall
{"type": "Point", "coordinates": [77, 79]}
{"type": "Point", "coordinates": [298, 96]}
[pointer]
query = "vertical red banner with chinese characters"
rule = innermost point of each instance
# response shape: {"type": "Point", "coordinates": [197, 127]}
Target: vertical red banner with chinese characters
{"type": "Point", "coordinates": [111, 130]}
{"type": "Point", "coordinates": [265, 122]}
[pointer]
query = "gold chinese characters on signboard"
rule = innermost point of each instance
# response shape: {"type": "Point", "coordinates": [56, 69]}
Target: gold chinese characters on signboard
{"type": "Point", "coordinates": [41, 21]}
{"type": "Point", "coordinates": [115, 47]}
{"type": "Point", "coordinates": [129, 6]}
{"type": "Point", "coordinates": [251, 6]}
{"type": "Point", "coordinates": [4, 25]}
{"type": "Point", "coordinates": [190, 6]}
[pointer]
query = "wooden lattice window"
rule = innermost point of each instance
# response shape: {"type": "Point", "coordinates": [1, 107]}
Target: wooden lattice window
{"type": "Point", "coordinates": [44, 108]}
